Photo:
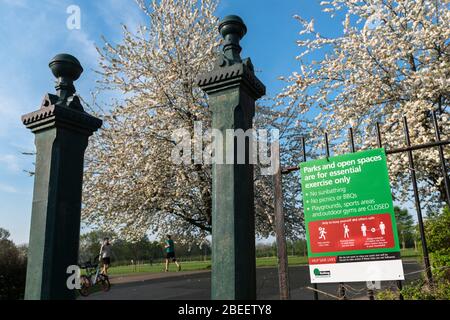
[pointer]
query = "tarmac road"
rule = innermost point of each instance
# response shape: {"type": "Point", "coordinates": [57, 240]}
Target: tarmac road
{"type": "Point", "coordinates": [197, 285]}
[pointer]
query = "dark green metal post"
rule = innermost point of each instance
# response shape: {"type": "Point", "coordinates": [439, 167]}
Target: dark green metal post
{"type": "Point", "coordinates": [233, 89]}
{"type": "Point", "coordinates": [61, 129]}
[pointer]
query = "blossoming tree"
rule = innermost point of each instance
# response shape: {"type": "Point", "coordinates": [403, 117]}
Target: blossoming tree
{"type": "Point", "coordinates": [131, 185]}
{"type": "Point", "coordinates": [392, 59]}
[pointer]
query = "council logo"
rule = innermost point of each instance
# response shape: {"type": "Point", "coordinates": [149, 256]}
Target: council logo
{"type": "Point", "coordinates": [324, 273]}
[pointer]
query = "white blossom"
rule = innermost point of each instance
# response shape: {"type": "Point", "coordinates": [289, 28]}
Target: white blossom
{"type": "Point", "coordinates": [393, 61]}
{"type": "Point", "coordinates": [131, 185]}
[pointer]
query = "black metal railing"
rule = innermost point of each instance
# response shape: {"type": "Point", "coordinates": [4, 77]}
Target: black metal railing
{"type": "Point", "coordinates": [408, 149]}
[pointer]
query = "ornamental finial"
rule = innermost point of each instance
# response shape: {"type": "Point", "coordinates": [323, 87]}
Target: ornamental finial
{"type": "Point", "coordinates": [67, 69]}
{"type": "Point", "coordinates": [233, 29]}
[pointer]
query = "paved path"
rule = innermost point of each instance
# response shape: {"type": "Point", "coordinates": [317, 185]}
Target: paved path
{"type": "Point", "coordinates": [196, 285]}
{"type": "Point", "coordinates": [141, 277]}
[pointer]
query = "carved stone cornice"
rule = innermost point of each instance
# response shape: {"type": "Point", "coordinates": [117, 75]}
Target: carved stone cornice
{"type": "Point", "coordinates": [54, 115]}
{"type": "Point", "coordinates": [238, 74]}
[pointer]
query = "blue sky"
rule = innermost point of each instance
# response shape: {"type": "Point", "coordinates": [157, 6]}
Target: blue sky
{"type": "Point", "coordinates": [32, 32]}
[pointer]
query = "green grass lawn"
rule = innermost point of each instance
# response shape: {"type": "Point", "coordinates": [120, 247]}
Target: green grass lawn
{"type": "Point", "coordinates": [410, 253]}
{"type": "Point", "coordinates": [272, 261]}
{"type": "Point", "coordinates": [158, 267]}
{"type": "Point", "coordinates": [206, 265]}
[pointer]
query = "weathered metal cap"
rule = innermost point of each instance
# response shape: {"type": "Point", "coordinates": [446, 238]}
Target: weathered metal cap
{"type": "Point", "coordinates": [232, 25]}
{"type": "Point", "coordinates": [66, 66]}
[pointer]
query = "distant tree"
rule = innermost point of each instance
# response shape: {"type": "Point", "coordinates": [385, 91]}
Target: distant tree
{"type": "Point", "coordinates": [405, 227]}
{"type": "Point", "coordinates": [301, 247]}
{"type": "Point", "coordinates": [13, 266]}
{"type": "Point", "coordinates": [295, 247]}
{"type": "Point", "coordinates": [122, 250]}
{"type": "Point", "coordinates": [141, 250]}
{"type": "Point", "coordinates": [4, 234]}
{"type": "Point", "coordinates": [23, 250]}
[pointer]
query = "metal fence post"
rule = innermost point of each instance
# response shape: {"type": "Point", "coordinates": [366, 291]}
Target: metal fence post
{"type": "Point", "coordinates": [342, 291]}
{"type": "Point", "coordinates": [417, 203]}
{"type": "Point", "coordinates": [316, 294]}
{"type": "Point", "coordinates": [283, 266]}
{"type": "Point", "coordinates": [442, 158]}
{"type": "Point", "coordinates": [380, 145]}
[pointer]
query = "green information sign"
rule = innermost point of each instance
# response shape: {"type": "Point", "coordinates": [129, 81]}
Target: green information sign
{"type": "Point", "coordinates": [349, 218]}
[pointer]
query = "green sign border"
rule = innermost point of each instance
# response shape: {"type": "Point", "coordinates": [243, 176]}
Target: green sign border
{"type": "Point", "coordinates": [382, 176]}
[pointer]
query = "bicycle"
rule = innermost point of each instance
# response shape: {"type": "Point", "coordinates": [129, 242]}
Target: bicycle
{"type": "Point", "coordinates": [92, 277]}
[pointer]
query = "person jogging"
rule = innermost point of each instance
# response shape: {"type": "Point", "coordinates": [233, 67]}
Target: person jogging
{"type": "Point", "coordinates": [170, 253]}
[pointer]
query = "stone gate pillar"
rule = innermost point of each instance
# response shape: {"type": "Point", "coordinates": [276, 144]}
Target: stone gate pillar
{"type": "Point", "coordinates": [233, 89]}
{"type": "Point", "coordinates": [61, 129]}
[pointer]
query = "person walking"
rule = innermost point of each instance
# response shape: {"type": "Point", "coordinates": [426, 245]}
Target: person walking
{"type": "Point", "coordinates": [170, 253]}
{"type": "Point", "coordinates": [364, 230]}
{"type": "Point", "coordinates": [105, 255]}
{"type": "Point", "coordinates": [346, 231]}
{"type": "Point", "coordinates": [382, 228]}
